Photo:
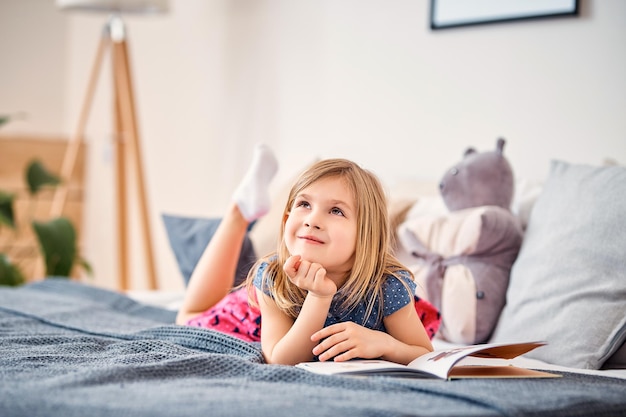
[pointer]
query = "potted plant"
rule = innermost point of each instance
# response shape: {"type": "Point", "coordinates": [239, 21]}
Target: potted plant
{"type": "Point", "coordinates": [56, 237]}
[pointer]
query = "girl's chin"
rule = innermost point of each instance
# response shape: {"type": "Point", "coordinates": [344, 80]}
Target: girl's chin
{"type": "Point", "coordinates": [311, 258]}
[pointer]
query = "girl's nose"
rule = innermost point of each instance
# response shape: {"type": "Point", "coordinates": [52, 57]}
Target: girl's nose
{"type": "Point", "coordinates": [312, 225]}
{"type": "Point", "coordinates": [312, 220]}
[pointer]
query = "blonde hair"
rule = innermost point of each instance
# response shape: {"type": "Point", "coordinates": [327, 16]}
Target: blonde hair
{"type": "Point", "coordinates": [373, 258]}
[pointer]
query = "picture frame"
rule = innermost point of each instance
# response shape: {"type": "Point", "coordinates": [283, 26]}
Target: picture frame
{"type": "Point", "coordinates": [446, 14]}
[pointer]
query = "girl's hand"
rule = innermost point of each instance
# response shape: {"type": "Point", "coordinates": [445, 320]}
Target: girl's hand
{"type": "Point", "coordinates": [348, 340]}
{"type": "Point", "coordinates": [309, 276]}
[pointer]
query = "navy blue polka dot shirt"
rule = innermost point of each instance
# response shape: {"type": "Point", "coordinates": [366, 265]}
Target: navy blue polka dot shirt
{"type": "Point", "coordinates": [395, 296]}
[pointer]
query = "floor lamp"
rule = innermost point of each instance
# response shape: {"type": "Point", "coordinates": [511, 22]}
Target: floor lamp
{"type": "Point", "coordinates": [127, 143]}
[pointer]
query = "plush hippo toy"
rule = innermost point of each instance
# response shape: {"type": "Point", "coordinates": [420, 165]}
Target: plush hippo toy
{"type": "Point", "coordinates": [463, 258]}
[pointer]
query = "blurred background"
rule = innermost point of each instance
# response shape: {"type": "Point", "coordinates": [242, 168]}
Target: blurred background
{"type": "Point", "coordinates": [363, 79]}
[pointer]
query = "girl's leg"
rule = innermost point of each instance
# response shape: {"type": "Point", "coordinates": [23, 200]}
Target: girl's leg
{"type": "Point", "coordinates": [213, 277]}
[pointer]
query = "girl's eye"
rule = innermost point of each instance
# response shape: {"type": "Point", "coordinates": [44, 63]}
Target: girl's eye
{"type": "Point", "coordinates": [336, 211]}
{"type": "Point", "coordinates": [302, 203]}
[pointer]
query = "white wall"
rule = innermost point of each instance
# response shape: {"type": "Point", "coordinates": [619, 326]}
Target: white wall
{"type": "Point", "coordinates": [363, 79]}
{"type": "Point", "coordinates": [33, 61]}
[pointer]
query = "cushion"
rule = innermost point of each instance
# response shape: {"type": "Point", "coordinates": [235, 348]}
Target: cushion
{"type": "Point", "coordinates": [462, 261]}
{"type": "Point", "coordinates": [189, 236]}
{"type": "Point", "coordinates": [568, 285]}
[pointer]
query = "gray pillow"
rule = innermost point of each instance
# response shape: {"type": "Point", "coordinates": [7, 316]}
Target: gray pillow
{"type": "Point", "coordinates": [568, 284]}
{"type": "Point", "coordinates": [189, 236]}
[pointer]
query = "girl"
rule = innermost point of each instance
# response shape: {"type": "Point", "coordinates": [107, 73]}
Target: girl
{"type": "Point", "coordinates": [331, 291]}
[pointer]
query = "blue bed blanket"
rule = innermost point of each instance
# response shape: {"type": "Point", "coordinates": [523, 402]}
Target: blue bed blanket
{"type": "Point", "coordinates": [70, 349]}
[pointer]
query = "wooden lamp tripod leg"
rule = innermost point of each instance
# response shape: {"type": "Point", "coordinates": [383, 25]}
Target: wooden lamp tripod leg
{"type": "Point", "coordinates": [121, 203]}
{"type": "Point", "coordinates": [71, 153]}
{"type": "Point", "coordinates": [129, 151]}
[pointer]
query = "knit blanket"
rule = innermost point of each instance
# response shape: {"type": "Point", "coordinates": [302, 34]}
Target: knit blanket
{"type": "Point", "coordinates": [70, 349]}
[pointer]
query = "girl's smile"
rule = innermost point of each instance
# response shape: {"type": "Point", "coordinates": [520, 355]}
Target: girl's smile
{"type": "Point", "coordinates": [311, 239]}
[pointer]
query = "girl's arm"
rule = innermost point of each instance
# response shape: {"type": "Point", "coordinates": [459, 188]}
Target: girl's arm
{"type": "Point", "coordinates": [409, 336]}
{"type": "Point", "coordinates": [287, 341]}
{"type": "Point", "coordinates": [405, 340]}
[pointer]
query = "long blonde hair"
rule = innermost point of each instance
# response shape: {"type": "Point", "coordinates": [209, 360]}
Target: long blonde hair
{"type": "Point", "coordinates": [373, 258]}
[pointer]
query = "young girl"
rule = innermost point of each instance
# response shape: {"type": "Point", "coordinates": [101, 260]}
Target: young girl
{"type": "Point", "coordinates": [332, 290]}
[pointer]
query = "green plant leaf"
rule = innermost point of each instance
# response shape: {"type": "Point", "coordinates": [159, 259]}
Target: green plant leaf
{"type": "Point", "coordinates": [10, 274]}
{"type": "Point", "coordinates": [6, 209]}
{"type": "Point", "coordinates": [37, 176]}
{"type": "Point", "coordinates": [4, 119]}
{"type": "Point", "coordinates": [86, 266]}
{"type": "Point", "coordinates": [57, 239]}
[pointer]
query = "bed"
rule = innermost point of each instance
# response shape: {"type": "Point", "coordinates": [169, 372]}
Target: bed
{"type": "Point", "coordinates": [71, 349]}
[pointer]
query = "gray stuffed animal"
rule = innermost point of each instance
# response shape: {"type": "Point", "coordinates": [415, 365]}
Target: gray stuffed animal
{"type": "Point", "coordinates": [463, 258]}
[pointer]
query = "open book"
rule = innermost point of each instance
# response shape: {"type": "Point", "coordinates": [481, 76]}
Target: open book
{"type": "Point", "coordinates": [451, 363]}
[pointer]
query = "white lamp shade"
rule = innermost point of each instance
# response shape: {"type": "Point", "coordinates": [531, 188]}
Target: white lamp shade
{"type": "Point", "coordinates": [119, 6]}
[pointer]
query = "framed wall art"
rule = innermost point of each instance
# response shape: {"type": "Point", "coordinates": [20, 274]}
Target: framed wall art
{"type": "Point", "coordinates": [454, 13]}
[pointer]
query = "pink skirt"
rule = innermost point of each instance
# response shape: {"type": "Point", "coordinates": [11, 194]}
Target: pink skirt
{"type": "Point", "coordinates": [234, 316]}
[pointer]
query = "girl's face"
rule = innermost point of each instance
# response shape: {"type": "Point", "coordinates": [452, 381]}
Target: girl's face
{"type": "Point", "coordinates": [322, 226]}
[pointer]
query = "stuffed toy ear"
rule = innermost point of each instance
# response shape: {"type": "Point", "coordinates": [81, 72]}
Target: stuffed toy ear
{"type": "Point", "coordinates": [479, 179]}
{"type": "Point", "coordinates": [469, 151]}
{"type": "Point", "coordinates": [500, 146]}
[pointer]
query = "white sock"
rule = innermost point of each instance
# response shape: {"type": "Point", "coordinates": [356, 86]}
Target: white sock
{"type": "Point", "coordinates": [252, 195]}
